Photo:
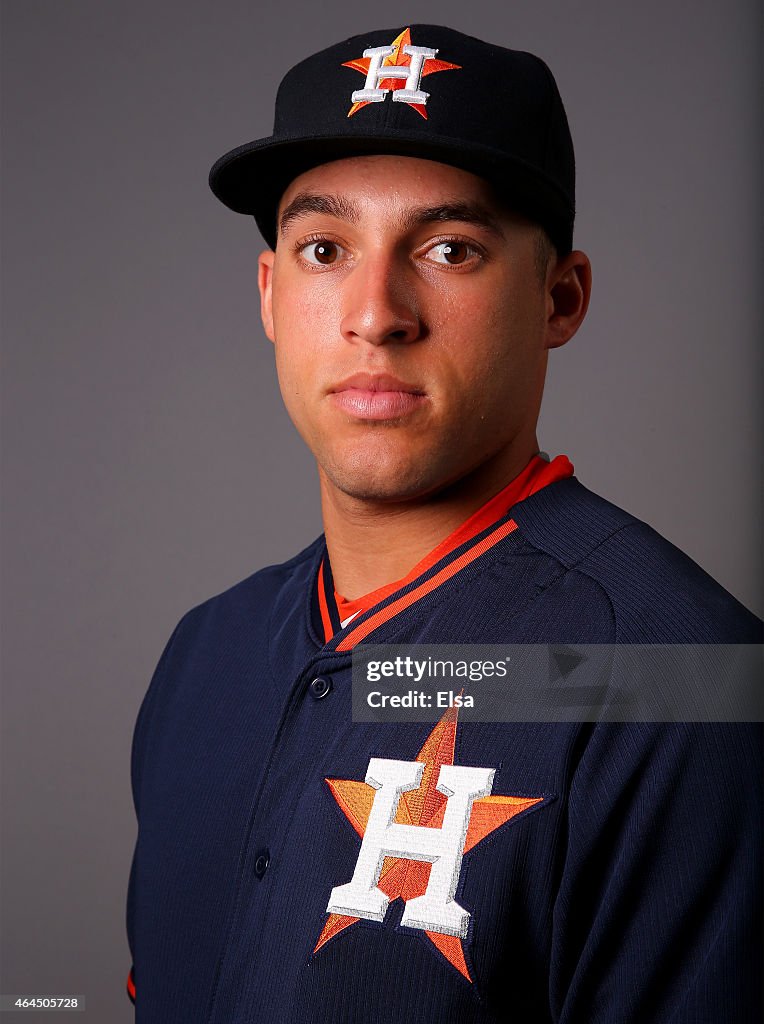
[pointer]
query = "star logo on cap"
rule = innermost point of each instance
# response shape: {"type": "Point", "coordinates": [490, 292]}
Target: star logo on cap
{"type": "Point", "coordinates": [399, 69]}
{"type": "Point", "coordinates": [417, 820]}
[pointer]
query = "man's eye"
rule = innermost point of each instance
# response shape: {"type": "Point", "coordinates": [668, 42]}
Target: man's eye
{"type": "Point", "coordinates": [321, 253]}
{"type": "Point", "coordinates": [452, 253]}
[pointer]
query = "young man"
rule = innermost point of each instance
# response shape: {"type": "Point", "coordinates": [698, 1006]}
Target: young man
{"type": "Point", "coordinates": [295, 865]}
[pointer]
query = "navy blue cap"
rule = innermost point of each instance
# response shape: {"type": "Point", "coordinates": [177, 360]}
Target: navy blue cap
{"type": "Point", "coordinates": [424, 91]}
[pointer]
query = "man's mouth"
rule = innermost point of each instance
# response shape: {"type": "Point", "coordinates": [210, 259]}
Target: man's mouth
{"type": "Point", "coordinates": [380, 397]}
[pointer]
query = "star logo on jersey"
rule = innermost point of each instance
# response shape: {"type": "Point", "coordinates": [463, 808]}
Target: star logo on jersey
{"type": "Point", "coordinates": [417, 820]}
{"type": "Point", "coordinates": [398, 68]}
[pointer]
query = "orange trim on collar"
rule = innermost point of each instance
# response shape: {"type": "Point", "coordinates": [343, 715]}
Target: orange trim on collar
{"type": "Point", "coordinates": [406, 600]}
{"type": "Point", "coordinates": [326, 620]}
{"type": "Point", "coordinates": [537, 474]}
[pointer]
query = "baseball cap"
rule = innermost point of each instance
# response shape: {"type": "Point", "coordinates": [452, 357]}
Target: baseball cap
{"type": "Point", "coordinates": [425, 91]}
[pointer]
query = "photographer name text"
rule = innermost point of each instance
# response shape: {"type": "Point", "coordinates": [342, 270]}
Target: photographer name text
{"type": "Point", "coordinates": [420, 699]}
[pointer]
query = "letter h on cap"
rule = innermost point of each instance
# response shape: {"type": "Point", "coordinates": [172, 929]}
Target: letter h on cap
{"type": "Point", "coordinates": [412, 72]}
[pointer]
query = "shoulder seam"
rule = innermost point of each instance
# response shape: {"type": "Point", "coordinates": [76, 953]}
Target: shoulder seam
{"type": "Point", "coordinates": [576, 566]}
{"type": "Point", "coordinates": [586, 554]}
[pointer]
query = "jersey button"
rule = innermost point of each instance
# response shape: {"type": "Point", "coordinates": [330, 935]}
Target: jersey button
{"type": "Point", "coordinates": [320, 687]}
{"type": "Point", "coordinates": [262, 860]}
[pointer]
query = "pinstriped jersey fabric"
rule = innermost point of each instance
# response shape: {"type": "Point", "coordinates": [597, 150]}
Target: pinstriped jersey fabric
{"type": "Point", "coordinates": [610, 872]}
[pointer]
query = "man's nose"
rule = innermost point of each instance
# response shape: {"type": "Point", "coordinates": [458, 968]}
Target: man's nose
{"type": "Point", "coordinates": [380, 304]}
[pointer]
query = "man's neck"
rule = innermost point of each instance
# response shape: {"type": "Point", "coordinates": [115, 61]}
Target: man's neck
{"type": "Point", "coordinates": [373, 543]}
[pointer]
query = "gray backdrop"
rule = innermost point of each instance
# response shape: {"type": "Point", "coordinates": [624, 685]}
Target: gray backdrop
{"type": "Point", "coordinates": [147, 463]}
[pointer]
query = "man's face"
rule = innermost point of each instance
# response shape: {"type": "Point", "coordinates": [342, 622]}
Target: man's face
{"type": "Point", "coordinates": [411, 325]}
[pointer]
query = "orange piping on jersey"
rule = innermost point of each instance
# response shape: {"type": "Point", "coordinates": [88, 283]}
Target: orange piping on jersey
{"type": "Point", "coordinates": [131, 985]}
{"type": "Point", "coordinates": [536, 475]}
{"type": "Point", "coordinates": [385, 614]}
{"type": "Point", "coordinates": [326, 620]}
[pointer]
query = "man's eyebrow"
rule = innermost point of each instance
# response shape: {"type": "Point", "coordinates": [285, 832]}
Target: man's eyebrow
{"type": "Point", "coordinates": [308, 202]}
{"type": "Point", "coordinates": [468, 213]}
{"type": "Point", "coordinates": [338, 206]}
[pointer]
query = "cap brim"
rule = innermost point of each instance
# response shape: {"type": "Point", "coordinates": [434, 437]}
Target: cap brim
{"type": "Point", "coordinates": [252, 178]}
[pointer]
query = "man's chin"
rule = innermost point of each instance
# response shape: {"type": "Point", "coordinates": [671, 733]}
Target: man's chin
{"type": "Point", "coordinates": [382, 483]}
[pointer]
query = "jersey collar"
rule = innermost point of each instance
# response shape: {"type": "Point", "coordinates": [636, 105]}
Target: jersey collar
{"type": "Point", "coordinates": [477, 535]}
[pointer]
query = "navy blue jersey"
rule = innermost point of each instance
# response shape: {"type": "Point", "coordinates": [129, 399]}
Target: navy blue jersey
{"type": "Point", "coordinates": [609, 872]}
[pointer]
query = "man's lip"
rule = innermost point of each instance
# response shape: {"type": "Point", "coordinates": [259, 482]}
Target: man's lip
{"type": "Point", "coordinates": [376, 397]}
{"type": "Point", "coordinates": [377, 406]}
{"type": "Point", "coordinates": [375, 382]}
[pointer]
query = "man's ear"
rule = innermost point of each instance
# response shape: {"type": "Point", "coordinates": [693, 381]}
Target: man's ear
{"type": "Point", "coordinates": [568, 289]}
{"type": "Point", "coordinates": [265, 284]}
